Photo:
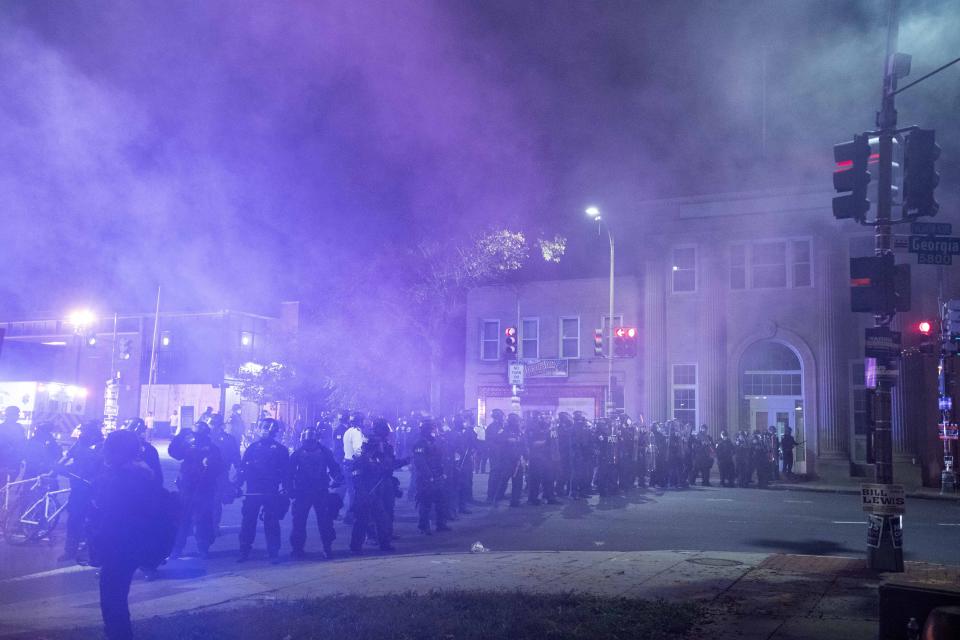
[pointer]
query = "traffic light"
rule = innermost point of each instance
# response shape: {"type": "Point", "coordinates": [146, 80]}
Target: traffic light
{"type": "Point", "coordinates": [598, 342]}
{"type": "Point", "coordinates": [90, 338]}
{"type": "Point", "coordinates": [126, 349]}
{"type": "Point", "coordinates": [851, 178]}
{"type": "Point", "coordinates": [920, 177]}
{"type": "Point", "coordinates": [872, 285]}
{"type": "Point", "coordinates": [952, 319]}
{"type": "Point", "coordinates": [511, 341]}
{"type": "Point", "coordinates": [924, 328]}
{"type": "Point", "coordinates": [625, 342]}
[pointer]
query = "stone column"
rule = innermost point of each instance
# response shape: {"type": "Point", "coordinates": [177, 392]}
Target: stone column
{"type": "Point", "coordinates": [833, 435]}
{"type": "Point", "coordinates": [712, 334]}
{"type": "Point", "coordinates": [655, 383]}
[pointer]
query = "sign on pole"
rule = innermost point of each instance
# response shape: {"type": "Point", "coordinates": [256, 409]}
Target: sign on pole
{"type": "Point", "coordinates": [515, 373]}
{"type": "Point", "coordinates": [931, 228]}
{"type": "Point", "coordinates": [934, 249]}
{"type": "Point", "coordinates": [882, 499]}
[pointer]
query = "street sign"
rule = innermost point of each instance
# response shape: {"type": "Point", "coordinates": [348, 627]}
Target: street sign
{"type": "Point", "coordinates": [515, 373]}
{"type": "Point", "coordinates": [934, 249]}
{"type": "Point", "coordinates": [931, 228]}
{"type": "Point", "coordinates": [882, 499]}
{"type": "Point", "coordinates": [949, 431]}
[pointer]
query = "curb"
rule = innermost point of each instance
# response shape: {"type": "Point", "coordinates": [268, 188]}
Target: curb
{"type": "Point", "coordinates": [854, 492]}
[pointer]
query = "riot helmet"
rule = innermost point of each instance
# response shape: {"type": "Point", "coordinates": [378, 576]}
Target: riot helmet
{"type": "Point", "coordinates": [270, 428]}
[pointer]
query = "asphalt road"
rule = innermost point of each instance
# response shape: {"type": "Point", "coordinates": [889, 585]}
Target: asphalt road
{"type": "Point", "coordinates": [698, 519]}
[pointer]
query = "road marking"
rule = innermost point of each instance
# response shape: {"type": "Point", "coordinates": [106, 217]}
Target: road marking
{"type": "Point", "coordinates": [799, 501]}
{"type": "Point", "coordinates": [76, 568]}
{"type": "Point", "coordinates": [949, 524]}
{"type": "Point", "coordinates": [849, 522]}
{"type": "Point", "coordinates": [719, 499]}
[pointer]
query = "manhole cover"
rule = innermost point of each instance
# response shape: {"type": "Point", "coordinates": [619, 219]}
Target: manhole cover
{"type": "Point", "coordinates": [715, 562]}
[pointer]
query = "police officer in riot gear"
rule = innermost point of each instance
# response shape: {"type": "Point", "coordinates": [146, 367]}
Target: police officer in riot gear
{"type": "Point", "coordinates": [148, 453]}
{"type": "Point", "coordinates": [428, 461]}
{"type": "Point", "coordinates": [264, 470]}
{"type": "Point", "coordinates": [494, 434]}
{"type": "Point", "coordinates": [375, 489]}
{"type": "Point", "coordinates": [82, 463]}
{"type": "Point", "coordinates": [703, 455]}
{"type": "Point", "coordinates": [565, 453]}
{"type": "Point", "coordinates": [312, 468]}
{"type": "Point", "coordinates": [725, 460]}
{"type": "Point", "coordinates": [510, 461]}
{"type": "Point", "coordinates": [198, 481]}
{"type": "Point", "coordinates": [42, 451]}
{"type": "Point", "coordinates": [540, 476]}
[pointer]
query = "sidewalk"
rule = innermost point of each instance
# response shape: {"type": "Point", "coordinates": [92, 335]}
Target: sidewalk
{"type": "Point", "coordinates": [853, 488]}
{"type": "Point", "coordinates": [745, 595]}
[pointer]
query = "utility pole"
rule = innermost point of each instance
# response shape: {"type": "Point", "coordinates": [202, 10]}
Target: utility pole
{"type": "Point", "coordinates": [886, 556]}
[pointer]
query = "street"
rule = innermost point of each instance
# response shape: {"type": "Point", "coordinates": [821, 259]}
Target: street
{"type": "Point", "coordinates": [696, 519]}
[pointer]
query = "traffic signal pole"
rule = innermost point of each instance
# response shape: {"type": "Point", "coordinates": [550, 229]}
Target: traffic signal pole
{"type": "Point", "coordinates": [887, 556]}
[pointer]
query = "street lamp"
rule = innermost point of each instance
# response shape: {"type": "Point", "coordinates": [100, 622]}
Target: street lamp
{"type": "Point", "coordinates": [594, 213]}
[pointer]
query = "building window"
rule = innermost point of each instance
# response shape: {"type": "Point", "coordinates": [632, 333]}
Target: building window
{"type": "Point", "coordinates": [684, 269]}
{"type": "Point", "coordinates": [530, 338]}
{"type": "Point", "coordinates": [490, 340]}
{"type": "Point", "coordinates": [685, 393]}
{"type": "Point", "coordinates": [800, 259]}
{"type": "Point", "coordinates": [772, 383]}
{"type": "Point", "coordinates": [738, 266]}
{"type": "Point", "coordinates": [246, 340]}
{"type": "Point", "coordinates": [570, 337]}
{"type": "Point", "coordinates": [771, 265]}
{"type": "Point", "coordinates": [768, 267]}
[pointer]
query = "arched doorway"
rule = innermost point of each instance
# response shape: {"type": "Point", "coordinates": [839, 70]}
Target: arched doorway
{"type": "Point", "coordinates": [772, 393]}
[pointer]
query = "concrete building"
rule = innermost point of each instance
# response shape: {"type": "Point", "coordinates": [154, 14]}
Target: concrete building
{"type": "Point", "coordinates": [743, 306]}
{"type": "Point", "coordinates": [197, 355]}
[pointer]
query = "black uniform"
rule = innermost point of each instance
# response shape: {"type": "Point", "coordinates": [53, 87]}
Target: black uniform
{"type": "Point", "coordinates": [608, 444]}
{"type": "Point", "coordinates": [494, 434]}
{"type": "Point", "coordinates": [508, 467]}
{"type": "Point", "coordinates": [42, 453]}
{"type": "Point", "coordinates": [787, 445]}
{"type": "Point", "coordinates": [428, 462]}
{"type": "Point", "coordinates": [583, 459]}
{"type": "Point", "coordinates": [374, 494]}
{"type": "Point", "coordinates": [464, 441]}
{"type": "Point", "coordinates": [13, 441]}
{"type": "Point", "coordinates": [83, 464]}
{"type": "Point", "coordinates": [264, 469]}
{"type": "Point", "coordinates": [703, 454]}
{"type": "Point", "coordinates": [742, 458]}
{"type": "Point", "coordinates": [565, 450]}
{"type": "Point", "coordinates": [312, 467]}
{"type": "Point", "coordinates": [199, 483]}
{"type": "Point", "coordinates": [644, 455]}
{"type": "Point", "coordinates": [128, 530]}
{"type": "Point", "coordinates": [541, 446]}
{"type": "Point", "coordinates": [725, 461]}
{"type": "Point", "coordinates": [627, 457]}
{"type": "Point", "coordinates": [760, 459]}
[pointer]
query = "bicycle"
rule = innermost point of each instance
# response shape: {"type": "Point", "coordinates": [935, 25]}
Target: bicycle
{"type": "Point", "coordinates": [29, 519]}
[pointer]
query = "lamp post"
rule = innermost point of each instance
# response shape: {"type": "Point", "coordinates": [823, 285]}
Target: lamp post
{"type": "Point", "coordinates": [594, 213]}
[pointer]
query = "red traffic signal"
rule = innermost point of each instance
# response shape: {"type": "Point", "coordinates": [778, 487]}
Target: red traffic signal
{"type": "Point", "coordinates": [598, 342]}
{"type": "Point", "coordinates": [925, 327]}
{"type": "Point", "coordinates": [625, 342]}
{"type": "Point", "coordinates": [511, 340]}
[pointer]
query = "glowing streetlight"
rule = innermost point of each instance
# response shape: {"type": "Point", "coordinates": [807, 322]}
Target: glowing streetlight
{"type": "Point", "coordinates": [81, 318]}
{"type": "Point", "coordinates": [594, 212]}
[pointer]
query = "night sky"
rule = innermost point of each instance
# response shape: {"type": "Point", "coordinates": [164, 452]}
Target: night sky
{"type": "Point", "coordinates": [241, 153]}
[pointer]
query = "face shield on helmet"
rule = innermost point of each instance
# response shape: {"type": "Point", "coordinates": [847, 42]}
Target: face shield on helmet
{"type": "Point", "coordinates": [270, 428]}
{"type": "Point", "coordinates": [310, 435]}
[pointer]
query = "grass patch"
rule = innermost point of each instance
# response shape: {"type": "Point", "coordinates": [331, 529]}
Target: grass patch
{"type": "Point", "coordinates": [446, 615]}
